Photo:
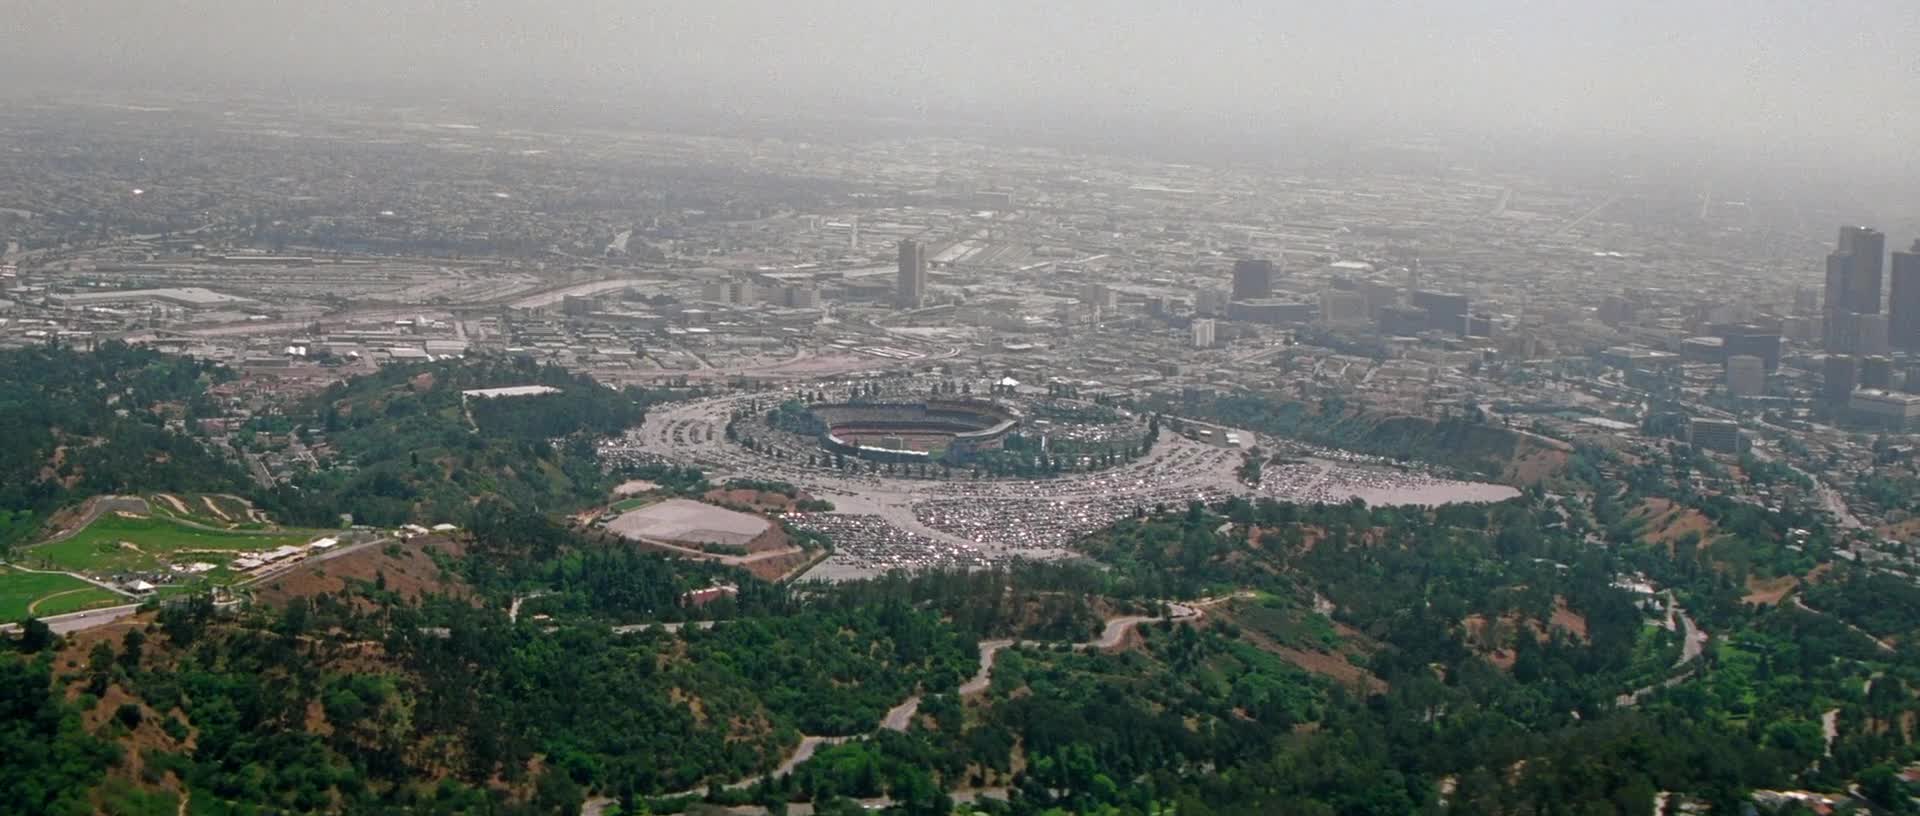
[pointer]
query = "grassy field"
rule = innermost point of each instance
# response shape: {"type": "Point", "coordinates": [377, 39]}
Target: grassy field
{"type": "Point", "coordinates": [55, 594]}
{"type": "Point", "coordinates": [624, 505]}
{"type": "Point", "coordinates": [117, 543]}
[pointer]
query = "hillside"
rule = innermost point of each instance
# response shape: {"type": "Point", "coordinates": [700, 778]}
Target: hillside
{"type": "Point", "coordinates": [337, 691]}
{"type": "Point", "coordinates": [406, 444]}
{"type": "Point", "coordinates": [1474, 448]}
{"type": "Point", "coordinates": [77, 424]}
{"type": "Point", "coordinates": [1354, 658]}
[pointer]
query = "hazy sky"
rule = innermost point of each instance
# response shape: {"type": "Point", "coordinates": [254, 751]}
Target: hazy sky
{"type": "Point", "coordinates": [1746, 77]}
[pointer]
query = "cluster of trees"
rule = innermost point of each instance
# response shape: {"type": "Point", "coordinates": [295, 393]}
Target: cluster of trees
{"type": "Point", "coordinates": [580, 408]}
{"type": "Point", "coordinates": [1883, 605]}
{"type": "Point", "coordinates": [1411, 580]}
{"type": "Point", "coordinates": [77, 424]}
{"type": "Point", "coordinates": [658, 712]}
{"type": "Point", "coordinates": [794, 417]}
{"type": "Point", "coordinates": [350, 701]}
{"type": "Point", "coordinates": [1473, 448]}
{"type": "Point", "coordinates": [413, 447]}
{"type": "Point", "coordinates": [683, 481]}
{"type": "Point", "coordinates": [52, 761]}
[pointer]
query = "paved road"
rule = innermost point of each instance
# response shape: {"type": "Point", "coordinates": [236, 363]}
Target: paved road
{"type": "Point", "coordinates": [80, 621]}
{"type": "Point", "coordinates": [1692, 643]}
{"type": "Point", "coordinates": [729, 560]}
{"type": "Point", "coordinates": [91, 511]}
{"type": "Point", "coordinates": [1884, 646]}
{"type": "Point", "coordinates": [1830, 499]}
{"type": "Point", "coordinates": [336, 552]}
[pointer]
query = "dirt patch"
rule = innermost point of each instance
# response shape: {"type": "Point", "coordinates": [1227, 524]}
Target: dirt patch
{"type": "Point", "coordinates": [316, 720]}
{"type": "Point", "coordinates": [1534, 467]}
{"type": "Point", "coordinates": [410, 574]}
{"type": "Point", "coordinates": [693, 704]}
{"type": "Point", "coordinates": [421, 383]}
{"type": "Point", "coordinates": [174, 502]}
{"type": "Point", "coordinates": [782, 567]}
{"type": "Point", "coordinates": [1495, 642]}
{"type": "Point", "coordinates": [1502, 659]}
{"type": "Point", "coordinates": [759, 500]}
{"type": "Point", "coordinates": [215, 509]}
{"type": "Point", "coordinates": [634, 487]}
{"type": "Point", "coordinates": [1769, 592]}
{"type": "Point", "coordinates": [1901, 530]}
{"type": "Point", "coordinates": [1565, 618]}
{"type": "Point", "coordinates": [1334, 666]}
{"type": "Point", "coordinates": [1667, 524]}
{"type": "Point", "coordinates": [1295, 537]}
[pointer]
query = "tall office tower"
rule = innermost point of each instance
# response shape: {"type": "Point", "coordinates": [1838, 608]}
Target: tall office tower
{"type": "Point", "coordinates": [1716, 435]}
{"type": "Point", "coordinates": [1876, 372]}
{"type": "Point", "coordinates": [1903, 300]}
{"type": "Point", "coordinates": [1869, 334]}
{"type": "Point", "coordinates": [1839, 374]}
{"type": "Point", "coordinates": [1446, 311]}
{"type": "Point", "coordinates": [1203, 333]}
{"type": "Point", "coordinates": [1342, 306]}
{"type": "Point", "coordinates": [1869, 250]}
{"type": "Point", "coordinates": [1615, 310]}
{"type": "Point", "coordinates": [1210, 303]}
{"type": "Point", "coordinates": [910, 290]}
{"type": "Point", "coordinates": [1836, 311]}
{"type": "Point", "coordinates": [1806, 300]}
{"type": "Point", "coordinates": [1746, 376]}
{"type": "Point", "coordinates": [1747, 338]}
{"type": "Point", "coordinates": [1252, 279]}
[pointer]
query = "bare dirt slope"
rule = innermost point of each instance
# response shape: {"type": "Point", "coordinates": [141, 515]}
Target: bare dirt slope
{"type": "Point", "coordinates": [407, 569]}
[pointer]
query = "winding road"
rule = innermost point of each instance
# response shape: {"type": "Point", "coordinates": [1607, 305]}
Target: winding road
{"type": "Point", "coordinates": [1884, 646]}
{"type": "Point", "coordinates": [900, 717]}
{"type": "Point", "coordinates": [1692, 643]}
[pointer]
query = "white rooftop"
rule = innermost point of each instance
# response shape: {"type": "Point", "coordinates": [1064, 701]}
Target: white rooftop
{"type": "Point", "coordinates": [512, 391]}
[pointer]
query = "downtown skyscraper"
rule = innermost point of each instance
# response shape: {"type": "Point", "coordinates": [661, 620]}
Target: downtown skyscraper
{"type": "Point", "coordinates": [1855, 274]}
{"type": "Point", "coordinates": [910, 288]}
{"type": "Point", "coordinates": [1903, 300]}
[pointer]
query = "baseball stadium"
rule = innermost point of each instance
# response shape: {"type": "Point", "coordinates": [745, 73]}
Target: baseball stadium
{"type": "Point", "coordinates": [914, 432]}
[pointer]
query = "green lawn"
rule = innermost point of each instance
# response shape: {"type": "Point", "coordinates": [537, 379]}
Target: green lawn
{"type": "Point", "coordinates": [19, 590]}
{"type": "Point", "coordinates": [90, 597]}
{"type": "Point", "coordinates": [104, 545]}
{"type": "Point", "coordinates": [624, 505]}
